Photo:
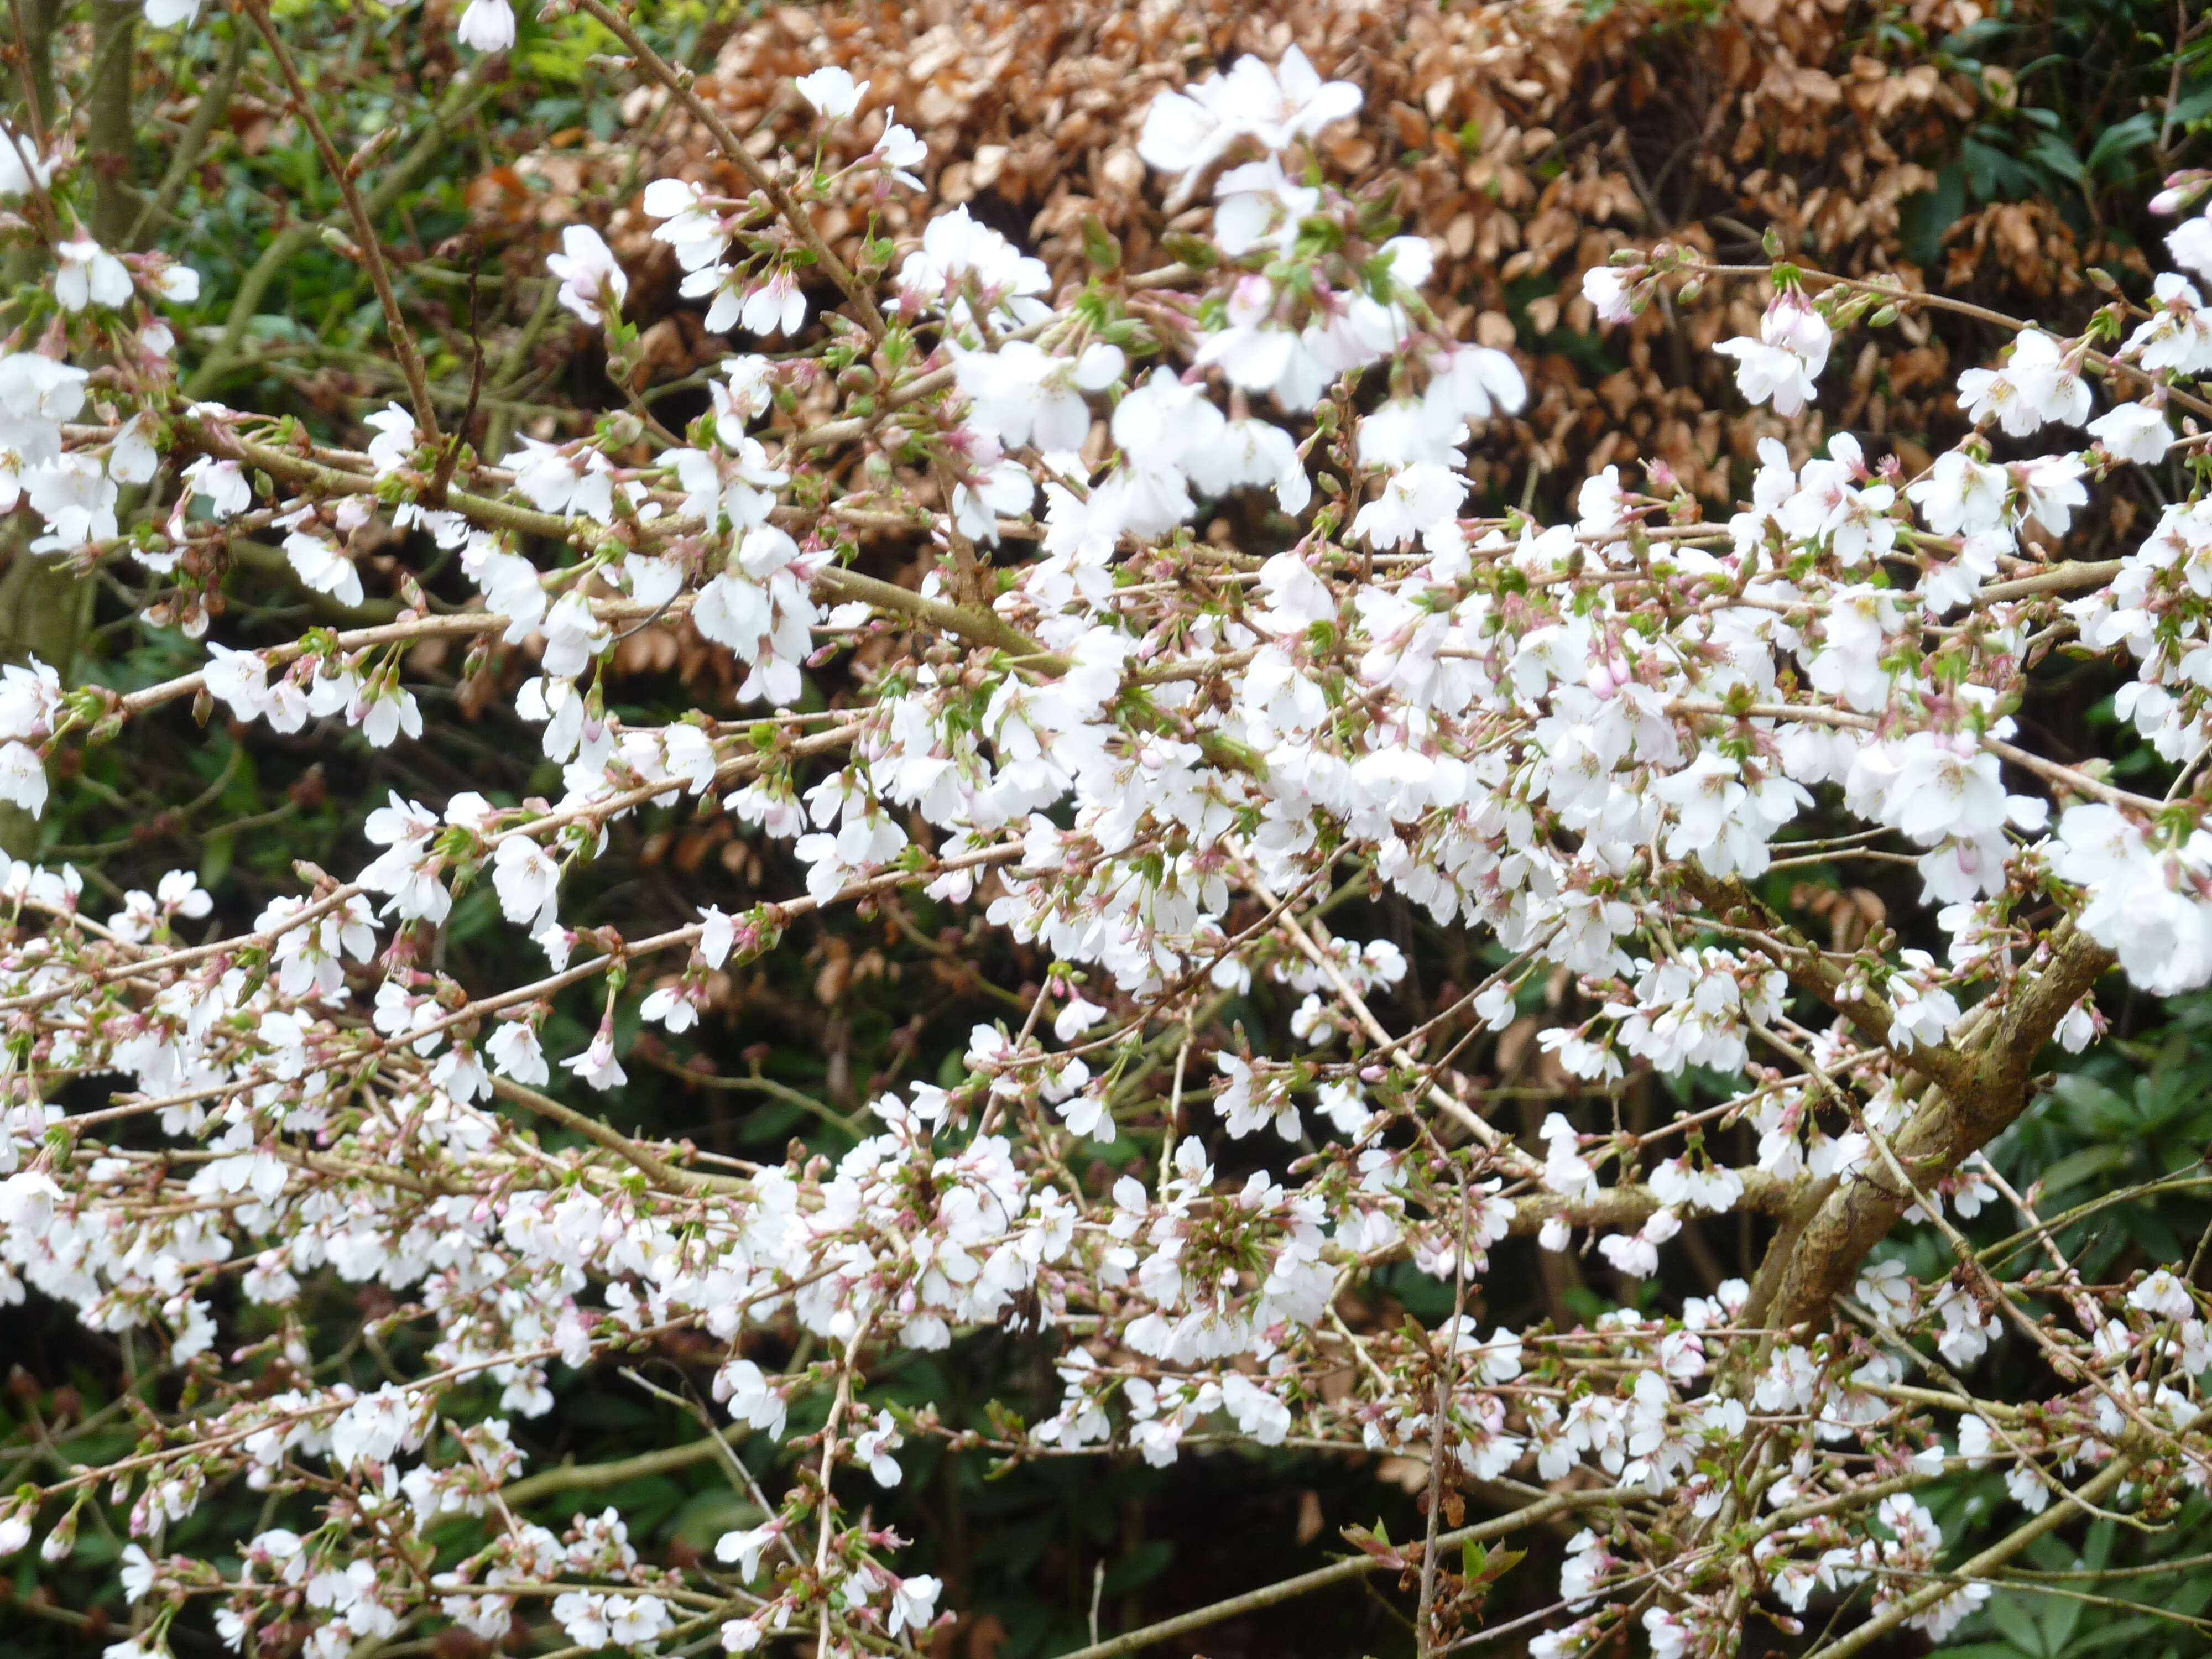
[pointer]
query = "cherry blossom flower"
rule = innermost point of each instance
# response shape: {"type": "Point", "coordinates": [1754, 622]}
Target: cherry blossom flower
{"type": "Point", "coordinates": [2191, 244]}
{"type": "Point", "coordinates": [832, 93]}
{"type": "Point", "coordinates": [1960, 494]}
{"type": "Point", "coordinates": [592, 282]}
{"type": "Point", "coordinates": [1611, 292]}
{"type": "Point", "coordinates": [21, 167]}
{"type": "Point", "coordinates": [526, 878]}
{"type": "Point", "coordinates": [1278, 106]}
{"type": "Point", "coordinates": [1414, 500]}
{"type": "Point", "coordinates": [514, 1050]}
{"type": "Point", "coordinates": [222, 485]}
{"type": "Point", "coordinates": [597, 1064]}
{"type": "Point", "coordinates": [956, 253]}
{"type": "Point", "coordinates": [90, 274]}
{"type": "Point", "coordinates": [2162, 1294]}
{"type": "Point", "coordinates": [2135, 432]}
{"type": "Point", "coordinates": [773, 306]}
{"type": "Point", "coordinates": [1020, 394]}
{"type": "Point", "coordinates": [901, 151]}
{"type": "Point", "coordinates": [324, 568]}
{"type": "Point", "coordinates": [395, 439]}
{"type": "Point", "coordinates": [488, 25]}
{"type": "Point", "coordinates": [914, 1603]}
{"type": "Point", "coordinates": [744, 1549]}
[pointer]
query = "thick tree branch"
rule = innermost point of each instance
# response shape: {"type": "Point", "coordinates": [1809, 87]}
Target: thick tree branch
{"type": "Point", "coordinates": [1809, 970]}
{"type": "Point", "coordinates": [1856, 1213]}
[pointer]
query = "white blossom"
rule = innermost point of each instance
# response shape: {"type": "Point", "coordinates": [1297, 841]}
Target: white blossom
{"type": "Point", "coordinates": [590, 280]}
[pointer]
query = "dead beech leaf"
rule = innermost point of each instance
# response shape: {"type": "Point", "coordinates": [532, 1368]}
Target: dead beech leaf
{"type": "Point", "coordinates": [1409, 1475]}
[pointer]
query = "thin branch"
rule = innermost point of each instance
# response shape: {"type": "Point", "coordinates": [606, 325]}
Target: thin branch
{"type": "Point", "coordinates": [1341, 1572]}
{"type": "Point", "coordinates": [614, 1140]}
{"type": "Point", "coordinates": [372, 246]}
{"type": "Point", "coordinates": [1982, 1566]}
{"type": "Point", "coordinates": [679, 81]}
{"type": "Point", "coordinates": [592, 1477]}
{"type": "Point", "coordinates": [213, 107]}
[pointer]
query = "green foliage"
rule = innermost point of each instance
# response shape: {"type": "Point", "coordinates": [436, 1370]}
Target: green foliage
{"type": "Point", "coordinates": [2061, 1611]}
{"type": "Point", "coordinates": [2080, 92]}
{"type": "Point", "coordinates": [2136, 1112]}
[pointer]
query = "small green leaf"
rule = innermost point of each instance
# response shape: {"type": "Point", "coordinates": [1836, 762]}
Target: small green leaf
{"type": "Point", "coordinates": [2010, 1615]}
{"type": "Point", "coordinates": [216, 855]}
{"type": "Point", "coordinates": [1100, 245]}
{"type": "Point", "coordinates": [2077, 1166]}
{"type": "Point", "coordinates": [2120, 140]}
{"type": "Point", "coordinates": [1190, 250]}
{"type": "Point", "coordinates": [2055, 153]}
{"type": "Point", "coordinates": [1140, 1566]}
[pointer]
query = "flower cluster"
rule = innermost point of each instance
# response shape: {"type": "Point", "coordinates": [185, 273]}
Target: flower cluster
{"type": "Point", "coordinates": [1164, 758]}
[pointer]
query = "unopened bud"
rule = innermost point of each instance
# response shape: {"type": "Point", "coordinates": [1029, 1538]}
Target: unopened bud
{"type": "Point", "coordinates": [61, 1543]}
{"type": "Point", "coordinates": [1100, 245]}
{"type": "Point", "coordinates": [365, 157]}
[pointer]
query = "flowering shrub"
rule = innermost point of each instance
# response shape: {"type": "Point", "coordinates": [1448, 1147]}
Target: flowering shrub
{"type": "Point", "coordinates": [1160, 755]}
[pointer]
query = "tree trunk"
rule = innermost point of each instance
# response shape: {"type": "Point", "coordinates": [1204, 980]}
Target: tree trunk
{"type": "Point", "coordinates": [111, 132]}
